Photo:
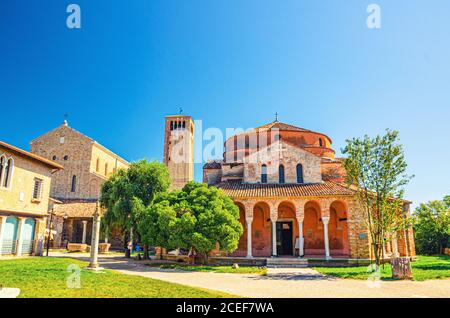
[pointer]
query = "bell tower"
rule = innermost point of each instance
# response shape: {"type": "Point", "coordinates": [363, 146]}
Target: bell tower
{"type": "Point", "coordinates": [179, 149]}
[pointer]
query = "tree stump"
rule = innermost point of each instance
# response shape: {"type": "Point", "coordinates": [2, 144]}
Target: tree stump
{"type": "Point", "coordinates": [401, 268]}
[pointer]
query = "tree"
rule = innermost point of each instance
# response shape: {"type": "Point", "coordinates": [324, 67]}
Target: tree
{"type": "Point", "coordinates": [432, 226]}
{"type": "Point", "coordinates": [376, 169]}
{"type": "Point", "coordinates": [197, 217]}
{"type": "Point", "coordinates": [127, 193]}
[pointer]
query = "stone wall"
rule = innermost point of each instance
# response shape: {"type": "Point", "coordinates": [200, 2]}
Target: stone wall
{"type": "Point", "coordinates": [81, 157]}
{"type": "Point", "coordinates": [280, 153]}
{"type": "Point", "coordinates": [18, 196]}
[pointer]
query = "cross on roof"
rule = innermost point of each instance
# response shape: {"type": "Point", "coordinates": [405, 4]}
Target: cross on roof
{"type": "Point", "coordinates": [276, 116]}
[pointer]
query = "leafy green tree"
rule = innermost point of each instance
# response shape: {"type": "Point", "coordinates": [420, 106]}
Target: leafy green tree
{"type": "Point", "coordinates": [157, 225]}
{"type": "Point", "coordinates": [127, 193]}
{"type": "Point", "coordinates": [197, 217]}
{"type": "Point", "coordinates": [376, 169]}
{"type": "Point", "coordinates": [432, 226]}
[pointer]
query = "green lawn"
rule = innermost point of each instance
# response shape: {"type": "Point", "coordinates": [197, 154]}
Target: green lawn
{"type": "Point", "coordinates": [425, 267]}
{"type": "Point", "coordinates": [47, 277]}
{"type": "Point", "coordinates": [215, 269]}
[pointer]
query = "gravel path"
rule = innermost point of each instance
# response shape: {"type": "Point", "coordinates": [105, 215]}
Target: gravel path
{"type": "Point", "coordinates": [280, 282]}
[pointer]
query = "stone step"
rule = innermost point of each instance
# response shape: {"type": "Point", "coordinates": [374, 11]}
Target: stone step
{"type": "Point", "coordinates": [286, 263]}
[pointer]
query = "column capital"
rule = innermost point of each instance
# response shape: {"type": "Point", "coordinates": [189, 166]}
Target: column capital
{"type": "Point", "coordinates": [84, 221]}
{"type": "Point", "coordinates": [325, 219]}
{"type": "Point", "coordinates": [249, 219]}
{"type": "Point", "coordinates": [300, 218]}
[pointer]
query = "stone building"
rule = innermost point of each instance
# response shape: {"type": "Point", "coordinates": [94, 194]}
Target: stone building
{"type": "Point", "coordinates": [87, 164]}
{"type": "Point", "coordinates": [25, 180]}
{"type": "Point", "coordinates": [179, 149]}
{"type": "Point", "coordinates": [288, 186]}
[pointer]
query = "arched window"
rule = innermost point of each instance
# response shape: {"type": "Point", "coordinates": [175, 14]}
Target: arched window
{"type": "Point", "coordinates": [54, 158]}
{"type": "Point", "coordinates": [74, 184]}
{"type": "Point", "coordinates": [263, 174]}
{"type": "Point", "coordinates": [281, 174]}
{"type": "Point", "coordinates": [320, 142]}
{"type": "Point", "coordinates": [299, 173]}
{"type": "Point", "coordinates": [97, 165]}
{"type": "Point", "coordinates": [2, 167]}
{"type": "Point", "coordinates": [8, 173]}
{"type": "Point", "coordinates": [106, 168]}
{"type": "Point", "coordinates": [66, 157]}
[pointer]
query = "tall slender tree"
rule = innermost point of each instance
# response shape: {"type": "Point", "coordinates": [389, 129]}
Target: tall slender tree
{"type": "Point", "coordinates": [127, 192]}
{"type": "Point", "coordinates": [376, 169]}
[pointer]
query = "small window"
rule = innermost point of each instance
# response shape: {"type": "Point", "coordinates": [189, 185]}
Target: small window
{"type": "Point", "coordinates": [74, 184]}
{"type": "Point", "coordinates": [2, 166]}
{"type": "Point", "coordinates": [8, 173]}
{"type": "Point", "coordinates": [281, 174]}
{"type": "Point", "coordinates": [54, 158]}
{"type": "Point", "coordinates": [37, 190]}
{"type": "Point", "coordinates": [61, 140]}
{"type": "Point", "coordinates": [184, 124]}
{"type": "Point", "coordinates": [66, 158]}
{"type": "Point", "coordinates": [171, 125]}
{"type": "Point", "coordinates": [320, 142]}
{"type": "Point", "coordinates": [299, 173]}
{"type": "Point", "coordinates": [263, 174]}
{"type": "Point", "coordinates": [97, 165]}
{"type": "Point", "coordinates": [106, 169]}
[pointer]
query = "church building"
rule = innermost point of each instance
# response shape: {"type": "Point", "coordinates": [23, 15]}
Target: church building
{"type": "Point", "coordinates": [289, 188]}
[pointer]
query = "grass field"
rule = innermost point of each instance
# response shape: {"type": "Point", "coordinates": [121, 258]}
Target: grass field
{"type": "Point", "coordinates": [215, 269]}
{"type": "Point", "coordinates": [425, 267]}
{"type": "Point", "coordinates": [47, 277]}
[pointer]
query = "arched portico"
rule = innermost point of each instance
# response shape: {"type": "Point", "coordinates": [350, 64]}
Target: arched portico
{"type": "Point", "coordinates": [313, 227]}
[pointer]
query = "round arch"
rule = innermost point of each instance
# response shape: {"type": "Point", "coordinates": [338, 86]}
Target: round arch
{"type": "Point", "coordinates": [338, 229]}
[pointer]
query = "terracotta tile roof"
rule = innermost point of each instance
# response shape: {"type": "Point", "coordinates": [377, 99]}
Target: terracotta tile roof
{"type": "Point", "coordinates": [280, 126]}
{"type": "Point", "coordinates": [76, 208]}
{"type": "Point", "coordinates": [241, 190]}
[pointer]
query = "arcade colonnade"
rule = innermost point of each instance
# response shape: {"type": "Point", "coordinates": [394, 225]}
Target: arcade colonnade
{"type": "Point", "coordinates": [312, 227]}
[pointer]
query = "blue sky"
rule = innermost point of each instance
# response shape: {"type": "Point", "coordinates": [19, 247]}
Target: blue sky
{"type": "Point", "coordinates": [231, 64]}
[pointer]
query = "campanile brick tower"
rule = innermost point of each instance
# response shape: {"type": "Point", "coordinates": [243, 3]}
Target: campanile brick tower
{"type": "Point", "coordinates": [179, 149]}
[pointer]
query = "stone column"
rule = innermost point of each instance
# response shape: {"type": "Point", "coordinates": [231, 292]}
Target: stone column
{"type": "Point", "coordinates": [249, 237]}
{"type": "Point", "coordinates": [274, 236]}
{"type": "Point", "coordinates": [93, 265]}
{"type": "Point", "coordinates": [20, 236]}
{"type": "Point", "coordinates": [301, 240]}
{"type": "Point", "coordinates": [83, 241]}
{"type": "Point", "coordinates": [2, 231]}
{"type": "Point", "coordinates": [39, 236]}
{"type": "Point", "coordinates": [326, 220]}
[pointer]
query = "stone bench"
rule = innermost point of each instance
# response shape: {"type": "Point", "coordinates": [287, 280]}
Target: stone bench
{"type": "Point", "coordinates": [103, 248]}
{"type": "Point", "coordinates": [77, 247]}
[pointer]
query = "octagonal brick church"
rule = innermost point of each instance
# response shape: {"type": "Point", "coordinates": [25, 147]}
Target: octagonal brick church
{"type": "Point", "coordinates": [290, 190]}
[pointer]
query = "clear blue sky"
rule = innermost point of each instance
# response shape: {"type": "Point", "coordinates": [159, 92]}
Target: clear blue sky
{"type": "Point", "coordinates": [231, 64]}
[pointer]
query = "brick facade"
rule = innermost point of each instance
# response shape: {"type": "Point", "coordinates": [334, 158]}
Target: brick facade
{"type": "Point", "coordinates": [293, 211]}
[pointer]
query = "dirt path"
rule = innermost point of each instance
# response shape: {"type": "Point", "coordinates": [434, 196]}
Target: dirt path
{"type": "Point", "coordinates": [299, 283]}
